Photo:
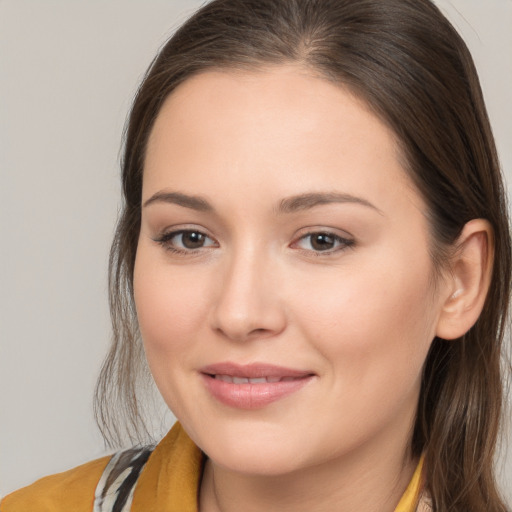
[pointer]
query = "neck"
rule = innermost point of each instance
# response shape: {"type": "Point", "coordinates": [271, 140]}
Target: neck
{"type": "Point", "coordinates": [369, 482]}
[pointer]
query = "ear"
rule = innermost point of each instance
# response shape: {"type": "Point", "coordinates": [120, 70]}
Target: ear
{"type": "Point", "coordinates": [468, 281]}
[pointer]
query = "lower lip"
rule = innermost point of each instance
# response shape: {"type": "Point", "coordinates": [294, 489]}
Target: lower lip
{"type": "Point", "coordinates": [252, 396]}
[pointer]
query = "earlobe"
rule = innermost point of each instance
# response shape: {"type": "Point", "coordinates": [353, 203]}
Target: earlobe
{"type": "Point", "coordinates": [468, 281]}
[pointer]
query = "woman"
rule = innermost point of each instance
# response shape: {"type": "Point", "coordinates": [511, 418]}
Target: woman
{"type": "Point", "coordinates": [314, 254]}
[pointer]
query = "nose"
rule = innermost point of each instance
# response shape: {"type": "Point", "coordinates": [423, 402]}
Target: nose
{"type": "Point", "coordinates": [248, 304]}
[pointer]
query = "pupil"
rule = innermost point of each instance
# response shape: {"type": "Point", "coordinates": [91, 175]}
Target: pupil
{"type": "Point", "coordinates": [192, 240]}
{"type": "Point", "coordinates": [322, 242]}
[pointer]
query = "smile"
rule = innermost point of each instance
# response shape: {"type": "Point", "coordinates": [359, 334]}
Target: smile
{"type": "Point", "coordinates": [257, 380]}
{"type": "Point", "coordinates": [252, 386]}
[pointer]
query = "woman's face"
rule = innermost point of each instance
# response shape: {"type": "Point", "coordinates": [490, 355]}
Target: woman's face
{"type": "Point", "coordinates": [282, 242]}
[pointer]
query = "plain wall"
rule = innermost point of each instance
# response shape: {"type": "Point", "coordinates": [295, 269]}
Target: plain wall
{"type": "Point", "coordinates": [68, 71]}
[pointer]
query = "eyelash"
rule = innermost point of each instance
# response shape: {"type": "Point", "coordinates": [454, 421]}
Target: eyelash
{"type": "Point", "coordinates": [165, 241]}
{"type": "Point", "coordinates": [343, 243]}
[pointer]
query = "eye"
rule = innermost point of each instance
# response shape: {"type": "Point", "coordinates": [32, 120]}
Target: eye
{"type": "Point", "coordinates": [323, 242]}
{"type": "Point", "coordinates": [185, 240]}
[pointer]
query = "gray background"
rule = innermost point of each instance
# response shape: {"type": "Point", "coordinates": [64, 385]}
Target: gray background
{"type": "Point", "coordinates": [68, 71]}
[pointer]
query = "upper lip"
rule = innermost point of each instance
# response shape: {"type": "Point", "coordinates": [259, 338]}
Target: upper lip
{"type": "Point", "coordinates": [253, 370]}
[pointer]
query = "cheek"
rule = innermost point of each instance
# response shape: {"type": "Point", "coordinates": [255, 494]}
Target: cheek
{"type": "Point", "coordinates": [374, 324]}
{"type": "Point", "coordinates": [168, 310]}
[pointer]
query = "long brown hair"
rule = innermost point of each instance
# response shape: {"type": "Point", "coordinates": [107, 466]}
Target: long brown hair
{"type": "Point", "coordinates": [415, 72]}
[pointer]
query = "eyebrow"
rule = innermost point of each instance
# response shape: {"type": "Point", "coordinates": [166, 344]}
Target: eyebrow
{"type": "Point", "coordinates": [310, 200]}
{"type": "Point", "coordinates": [185, 200]}
{"type": "Point", "coordinates": [291, 204]}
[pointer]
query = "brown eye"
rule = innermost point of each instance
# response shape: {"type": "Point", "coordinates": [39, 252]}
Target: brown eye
{"type": "Point", "coordinates": [322, 241]}
{"type": "Point", "coordinates": [185, 240]}
{"type": "Point", "coordinates": [192, 239]}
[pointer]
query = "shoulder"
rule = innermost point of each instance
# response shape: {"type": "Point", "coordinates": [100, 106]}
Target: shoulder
{"type": "Point", "coordinates": [114, 482]}
{"type": "Point", "coordinates": [72, 490]}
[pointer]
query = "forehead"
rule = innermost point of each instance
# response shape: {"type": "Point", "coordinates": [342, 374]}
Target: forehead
{"type": "Point", "coordinates": [275, 122]}
{"type": "Point", "coordinates": [261, 97]}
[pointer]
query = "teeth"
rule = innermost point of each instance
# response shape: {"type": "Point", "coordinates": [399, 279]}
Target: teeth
{"type": "Point", "coordinates": [257, 380]}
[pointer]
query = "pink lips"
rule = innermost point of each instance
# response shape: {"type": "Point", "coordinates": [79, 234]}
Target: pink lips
{"type": "Point", "coordinates": [252, 386]}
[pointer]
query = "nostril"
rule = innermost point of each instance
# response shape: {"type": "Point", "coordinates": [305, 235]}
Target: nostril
{"type": "Point", "coordinates": [259, 331]}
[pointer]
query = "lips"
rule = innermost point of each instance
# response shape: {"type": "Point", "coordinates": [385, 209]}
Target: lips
{"type": "Point", "coordinates": [252, 386]}
{"type": "Point", "coordinates": [257, 380]}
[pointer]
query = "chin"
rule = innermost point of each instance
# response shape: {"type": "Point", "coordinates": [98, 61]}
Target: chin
{"type": "Point", "coordinates": [258, 449]}
{"type": "Point", "coordinates": [257, 461]}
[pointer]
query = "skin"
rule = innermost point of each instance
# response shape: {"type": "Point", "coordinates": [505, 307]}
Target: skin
{"type": "Point", "coordinates": [360, 316]}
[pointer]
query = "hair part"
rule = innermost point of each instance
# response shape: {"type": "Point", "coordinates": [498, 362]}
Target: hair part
{"type": "Point", "coordinates": [408, 64]}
